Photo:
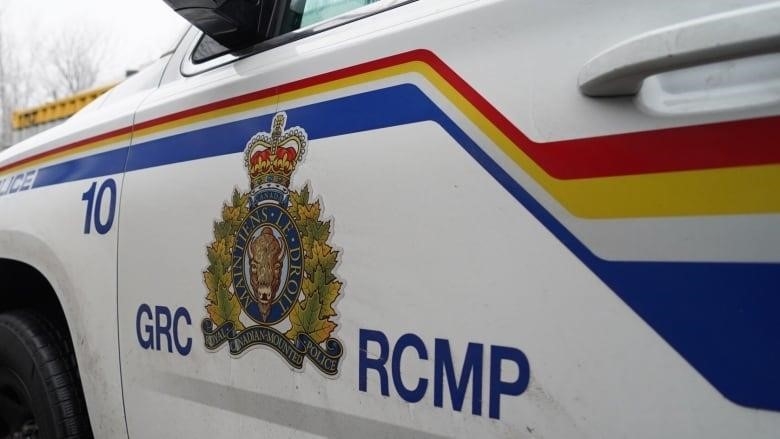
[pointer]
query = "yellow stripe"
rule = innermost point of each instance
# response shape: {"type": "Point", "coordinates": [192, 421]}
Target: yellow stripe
{"type": "Point", "coordinates": [725, 191]}
{"type": "Point", "coordinates": [122, 138]}
{"type": "Point", "coordinates": [202, 117]}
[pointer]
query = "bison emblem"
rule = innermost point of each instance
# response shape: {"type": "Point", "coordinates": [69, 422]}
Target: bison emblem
{"type": "Point", "coordinates": [266, 256]}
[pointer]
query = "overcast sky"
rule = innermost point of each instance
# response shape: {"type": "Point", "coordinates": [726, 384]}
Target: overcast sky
{"type": "Point", "coordinates": [134, 31]}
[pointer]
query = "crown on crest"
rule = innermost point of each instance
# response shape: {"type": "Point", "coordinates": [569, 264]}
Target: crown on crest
{"type": "Point", "coordinates": [272, 157]}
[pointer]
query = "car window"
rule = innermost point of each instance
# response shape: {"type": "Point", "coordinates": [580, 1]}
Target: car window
{"type": "Point", "coordinates": [300, 13]}
{"type": "Point", "coordinates": [207, 49]}
{"type": "Point", "coordinates": [314, 11]}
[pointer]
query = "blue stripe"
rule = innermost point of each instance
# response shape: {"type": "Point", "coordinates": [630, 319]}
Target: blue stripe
{"type": "Point", "coordinates": [96, 165]}
{"type": "Point", "coordinates": [721, 317]}
{"type": "Point", "coordinates": [203, 143]}
{"type": "Point", "coordinates": [355, 113]}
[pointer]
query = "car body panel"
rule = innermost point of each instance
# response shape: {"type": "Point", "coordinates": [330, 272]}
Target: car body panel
{"type": "Point", "coordinates": [483, 212]}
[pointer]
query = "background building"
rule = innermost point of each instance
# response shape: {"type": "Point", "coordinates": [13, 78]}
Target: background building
{"type": "Point", "coordinates": [30, 121]}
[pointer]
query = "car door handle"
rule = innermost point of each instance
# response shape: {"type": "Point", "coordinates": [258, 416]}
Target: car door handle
{"type": "Point", "coordinates": [621, 69]}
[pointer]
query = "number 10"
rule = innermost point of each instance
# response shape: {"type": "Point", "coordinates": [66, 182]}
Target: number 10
{"type": "Point", "coordinates": [95, 203]}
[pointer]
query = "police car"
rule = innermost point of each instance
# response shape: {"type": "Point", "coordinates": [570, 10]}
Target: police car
{"type": "Point", "coordinates": [380, 219]}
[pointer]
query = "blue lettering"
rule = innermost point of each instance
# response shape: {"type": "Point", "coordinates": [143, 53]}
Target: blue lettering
{"type": "Point", "coordinates": [181, 313]}
{"type": "Point", "coordinates": [163, 328]}
{"type": "Point", "coordinates": [378, 364]}
{"type": "Point", "coordinates": [458, 381]}
{"type": "Point", "coordinates": [145, 338]}
{"type": "Point", "coordinates": [418, 392]}
{"type": "Point", "coordinates": [499, 354]}
{"type": "Point", "coordinates": [152, 328]}
{"type": "Point", "coordinates": [472, 370]}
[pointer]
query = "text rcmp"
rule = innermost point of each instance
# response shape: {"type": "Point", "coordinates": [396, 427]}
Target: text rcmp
{"type": "Point", "coordinates": [444, 371]}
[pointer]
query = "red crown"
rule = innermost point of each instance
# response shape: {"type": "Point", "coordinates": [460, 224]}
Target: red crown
{"type": "Point", "coordinates": [272, 157]}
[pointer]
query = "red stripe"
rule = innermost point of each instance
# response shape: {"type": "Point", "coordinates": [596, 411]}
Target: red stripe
{"type": "Point", "coordinates": [150, 123]}
{"type": "Point", "coordinates": [67, 147]}
{"type": "Point", "coordinates": [217, 105]}
{"type": "Point", "coordinates": [719, 145]}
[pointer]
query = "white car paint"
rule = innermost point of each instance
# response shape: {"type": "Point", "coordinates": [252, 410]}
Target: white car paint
{"type": "Point", "coordinates": [442, 232]}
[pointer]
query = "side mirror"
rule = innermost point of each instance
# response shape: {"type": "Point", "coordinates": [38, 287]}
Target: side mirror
{"type": "Point", "coordinates": [235, 24]}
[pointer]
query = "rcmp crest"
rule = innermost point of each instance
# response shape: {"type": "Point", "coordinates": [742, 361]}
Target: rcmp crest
{"type": "Point", "coordinates": [270, 277]}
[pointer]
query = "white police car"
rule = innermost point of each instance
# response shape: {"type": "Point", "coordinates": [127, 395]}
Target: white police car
{"type": "Point", "coordinates": [365, 219]}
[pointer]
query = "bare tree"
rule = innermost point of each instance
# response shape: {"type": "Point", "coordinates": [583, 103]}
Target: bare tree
{"type": "Point", "coordinates": [75, 58]}
{"type": "Point", "coordinates": [30, 76]}
{"type": "Point", "coordinates": [5, 126]}
{"type": "Point", "coordinates": [16, 82]}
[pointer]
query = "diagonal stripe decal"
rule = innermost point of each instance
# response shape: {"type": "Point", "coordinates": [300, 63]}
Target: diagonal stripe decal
{"type": "Point", "coordinates": [716, 315]}
{"type": "Point", "coordinates": [719, 169]}
{"type": "Point", "coordinates": [719, 316]}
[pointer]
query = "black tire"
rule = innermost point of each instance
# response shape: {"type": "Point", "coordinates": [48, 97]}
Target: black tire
{"type": "Point", "coordinates": [40, 392]}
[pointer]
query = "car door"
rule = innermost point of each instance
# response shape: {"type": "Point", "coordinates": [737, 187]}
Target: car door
{"type": "Point", "coordinates": [459, 219]}
{"type": "Point", "coordinates": [76, 169]}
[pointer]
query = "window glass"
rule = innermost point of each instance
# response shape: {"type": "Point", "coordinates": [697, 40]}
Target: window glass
{"type": "Point", "coordinates": [207, 49]}
{"type": "Point", "coordinates": [319, 10]}
{"type": "Point", "coordinates": [300, 13]}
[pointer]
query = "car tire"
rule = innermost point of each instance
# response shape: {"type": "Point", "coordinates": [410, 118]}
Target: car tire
{"type": "Point", "coordinates": [40, 392]}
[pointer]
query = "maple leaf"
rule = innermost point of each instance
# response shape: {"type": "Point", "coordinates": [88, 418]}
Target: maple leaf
{"type": "Point", "coordinates": [210, 280]}
{"type": "Point", "coordinates": [305, 194]}
{"type": "Point", "coordinates": [225, 280]}
{"type": "Point", "coordinates": [298, 199]}
{"type": "Point", "coordinates": [236, 197]}
{"type": "Point", "coordinates": [328, 294]}
{"type": "Point", "coordinates": [242, 208]}
{"type": "Point", "coordinates": [308, 287]}
{"type": "Point", "coordinates": [231, 214]}
{"type": "Point", "coordinates": [309, 212]}
{"type": "Point", "coordinates": [223, 306]}
{"type": "Point", "coordinates": [221, 249]}
{"type": "Point", "coordinates": [292, 209]}
{"type": "Point", "coordinates": [295, 322]}
{"type": "Point", "coordinates": [307, 243]}
{"type": "Point", "coordinates": [225, 309]}
{"type": "Point", "coordinates": [221, 230]}
{"type": "Point", "coordinates": [319, 230]}
{"type": "Point", "coordinates": [230, 241]}
{"type": "Point", "coordinates": [322, 331]}
{"type": "Point", "coordinates": [219, 256]}
{"type": "Point", "coordinates": [321, 259]}
{"type": "Point", "coordinates": [305, 318]}
{"type": "Point", "coordinates": [318, 277]}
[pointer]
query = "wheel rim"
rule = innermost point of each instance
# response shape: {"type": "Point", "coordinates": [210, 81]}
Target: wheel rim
{"type": "Point", "coordinates": [16, 417]}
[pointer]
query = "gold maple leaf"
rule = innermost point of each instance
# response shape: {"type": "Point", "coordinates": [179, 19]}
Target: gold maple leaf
{"type": "Point", "coordinates": [305, 319]}
{"type": "Point", "coordinates": [225, 309]}
{"type": "Point", "coordinates": [231, 213]}
{"type": "Point", "coordinates": [309, 212]}
{"type": "Point", "coordinates": [328, 294]}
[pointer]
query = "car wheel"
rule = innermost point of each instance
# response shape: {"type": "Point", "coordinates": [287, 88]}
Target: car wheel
{"type": "Point", "coordinates": [40, 393]}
